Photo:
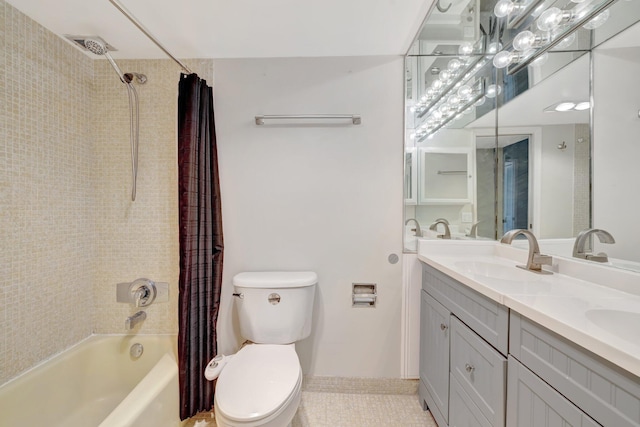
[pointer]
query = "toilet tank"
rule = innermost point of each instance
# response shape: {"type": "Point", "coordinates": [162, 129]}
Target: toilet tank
{"type": "Point", "coordinates": [275, 307]}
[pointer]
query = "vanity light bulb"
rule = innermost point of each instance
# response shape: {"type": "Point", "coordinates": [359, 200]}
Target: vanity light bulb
{"type": "Point", "coordinates": [437, 84]}
{"type": "Point", "coordinates": [444, 75]}
{"type": "Point", "coordinates": [465, 49]}
{"type": "Point", "coordinates": [494, 47]}
{"type": "Point", "coordinates": [551, 18]}
{"type": "Point", "coordinates": [465, 92]}
{"type": "Point", "coordinates": [493, 90]}
{"type": "Point", "coordinates": [454, 64]}
{"type": "Point", "coordinates": [437, 115]}
{"type": "Point", "coordinates": [503, 59]}
{"type": "Point", "coordinates": [524, 41]}
{"type": "Point", "coordinates": [598, 21]}
{"type": "Point", "coordinates": [412, 109]}
{"type": "Point", "coordinates": [581, 106]}
{"type": "Point", "coordinates": [503, 8]}
{"type": "Point", "coordinates": [454, 100]}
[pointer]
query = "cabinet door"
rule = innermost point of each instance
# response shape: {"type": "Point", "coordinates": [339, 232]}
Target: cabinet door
{"type": "Point", "coordinates": [533, 403]}
{"type": "Point", "coordinates": [445, 176]}
{"type": "Point", "coordinates": [434, 355]}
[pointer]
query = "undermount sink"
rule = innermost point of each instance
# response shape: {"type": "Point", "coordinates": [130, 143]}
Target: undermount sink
{"type": "Point", "coordinates": [493, 270]}
{"type": "Point", "coordinates": [623, 324]}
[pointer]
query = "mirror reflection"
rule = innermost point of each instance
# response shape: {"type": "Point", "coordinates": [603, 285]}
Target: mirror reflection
{"type": "Point", "coordinates": [523, 121]}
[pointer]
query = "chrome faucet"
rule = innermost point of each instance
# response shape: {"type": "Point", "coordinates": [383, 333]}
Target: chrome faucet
{"type": "Point", "coordinates": [417, 230]}
{"type": "Point", "coordinates": [132, 321]}
{"type": "Point", "coordinates": [445, 224]}
{"type": "Point", "coordinates": [535, 260]}
{"type": "Point", "coordinates": [474, 230]}
{"type": "Point", "coordinates": [581, 240]}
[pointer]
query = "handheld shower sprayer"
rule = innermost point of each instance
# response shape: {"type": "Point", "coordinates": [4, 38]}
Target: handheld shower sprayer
{"type": "Point", "coordinates": [98, 47]}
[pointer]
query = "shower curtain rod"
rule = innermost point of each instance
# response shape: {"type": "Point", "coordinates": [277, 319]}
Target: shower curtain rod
{"type": "Point", "coordinates": [146, 32]}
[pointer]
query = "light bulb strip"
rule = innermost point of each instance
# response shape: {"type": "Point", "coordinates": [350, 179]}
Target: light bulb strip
{"type": "Point", "coordinates": [574, 27]}
{"type": "Point", "coordinates": [462, 77]}
{"type": "Point", "coordinates": [523, 14]}
{"type": "Point", "coordinates": [465, 107]}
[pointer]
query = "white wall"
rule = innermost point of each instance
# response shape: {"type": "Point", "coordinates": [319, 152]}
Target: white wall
{"type": "Point", "coordinates": [616, 149]}
{"type": "Point", "coordinates": [326, 198]}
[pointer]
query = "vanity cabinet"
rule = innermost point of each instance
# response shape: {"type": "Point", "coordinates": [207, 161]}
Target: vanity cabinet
{"type": "Point", "coordinates": [482, 364]}
{"type": "Point", "coordinates": [462, 374]}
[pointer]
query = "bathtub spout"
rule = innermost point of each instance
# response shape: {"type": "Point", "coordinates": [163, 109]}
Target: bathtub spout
{"type": "Point", "coordinates": [132, 321]}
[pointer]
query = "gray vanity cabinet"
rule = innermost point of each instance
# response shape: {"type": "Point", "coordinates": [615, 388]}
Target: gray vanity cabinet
{"type": "Point", "coordinates": [548, 381]}
{"type": "Point", "coordinates": [434, 357]}
{"type": "Point", "coordinates": [462, 374]}
{"type": "Point", "coordinates": [533, 403]}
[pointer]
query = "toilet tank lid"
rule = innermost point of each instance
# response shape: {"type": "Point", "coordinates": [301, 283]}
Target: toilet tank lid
{"type": "Point", "coordinates": [275, 279]}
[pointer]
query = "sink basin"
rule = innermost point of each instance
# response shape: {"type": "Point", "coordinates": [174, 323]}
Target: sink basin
{"type": "Point", "coordinates": [623, 324]}
{"type": "Point", "coordinates": [494, 271]}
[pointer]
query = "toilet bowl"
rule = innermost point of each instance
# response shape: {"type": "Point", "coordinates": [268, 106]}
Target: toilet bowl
{"type": "Point", "coordinates": [260, 386]}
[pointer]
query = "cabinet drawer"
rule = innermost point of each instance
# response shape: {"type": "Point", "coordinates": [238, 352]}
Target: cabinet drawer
{"type": "Point", "coordinates": [464, 413]}
{"type": "Point", "coordinates": [532, 403]}
{"type": "Point", "coordinates": [480, 371]}
{"type": "Point", "coordinates": [489, 319]}
{"type": "Point", "coordinates": [607, 393]}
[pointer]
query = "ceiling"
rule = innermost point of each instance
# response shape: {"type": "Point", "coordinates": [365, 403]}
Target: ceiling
{"type": "Point", "coordinates": [239, 28]}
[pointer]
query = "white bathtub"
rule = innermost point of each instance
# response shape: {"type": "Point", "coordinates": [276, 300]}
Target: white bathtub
{"type": "Point", "coordinates": [98, 384]}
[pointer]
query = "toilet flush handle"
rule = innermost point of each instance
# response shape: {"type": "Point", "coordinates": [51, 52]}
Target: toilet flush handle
{"type": "Point", "coordinates": [239, 295]}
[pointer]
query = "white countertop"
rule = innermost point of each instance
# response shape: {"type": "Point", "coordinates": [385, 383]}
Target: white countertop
{"type": "Point", "coordinates": [593, 313]}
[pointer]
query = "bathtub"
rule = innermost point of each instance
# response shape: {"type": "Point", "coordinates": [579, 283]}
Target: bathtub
{"type": "Point", "coordinates": [96, 383]}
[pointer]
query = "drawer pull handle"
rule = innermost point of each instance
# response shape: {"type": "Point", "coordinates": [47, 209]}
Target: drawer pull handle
{"type": "Point", "coordinates": [469, 368]}
{"type": "Point", "coordinates": [443, 327]}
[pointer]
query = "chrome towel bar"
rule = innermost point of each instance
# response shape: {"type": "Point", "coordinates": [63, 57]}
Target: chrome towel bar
{"type": "Point", "coordinates": [356, 120]}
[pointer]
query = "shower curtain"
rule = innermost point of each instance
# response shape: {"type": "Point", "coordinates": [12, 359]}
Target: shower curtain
{"type": "Point", "coordinates": [201, 244]}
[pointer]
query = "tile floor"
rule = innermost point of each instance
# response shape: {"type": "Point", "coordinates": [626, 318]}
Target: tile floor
{"type": "Point", "coordinates": [329, 409]}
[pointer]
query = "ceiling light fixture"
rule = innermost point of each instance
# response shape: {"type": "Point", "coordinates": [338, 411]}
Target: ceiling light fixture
{"type": "Point", "coordinates": [565, 106]}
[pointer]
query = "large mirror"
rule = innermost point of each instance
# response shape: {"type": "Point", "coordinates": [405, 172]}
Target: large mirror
{"type": "Point", "coordinates": [539, 142]}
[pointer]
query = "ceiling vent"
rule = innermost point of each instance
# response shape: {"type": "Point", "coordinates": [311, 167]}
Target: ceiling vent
{"type": "Point", "coordinates": [79, 42]}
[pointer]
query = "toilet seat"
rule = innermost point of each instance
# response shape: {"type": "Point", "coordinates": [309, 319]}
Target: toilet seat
{"type": "Point", "coordinates": [258, 383]}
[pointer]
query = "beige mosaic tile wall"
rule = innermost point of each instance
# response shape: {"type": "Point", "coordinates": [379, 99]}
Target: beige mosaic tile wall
{"type": "Point", "coordinates": [69, 229]}
{"type": "Point", "coordinates": [47, 176]}
{"type": "Point", "coordinates": [138, 239]}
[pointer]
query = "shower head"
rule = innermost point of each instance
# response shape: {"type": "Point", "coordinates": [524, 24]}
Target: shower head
{"type": "Point", "coordinates": [95, 46]}
{"type": "Point", "coordinates": [100, 48]}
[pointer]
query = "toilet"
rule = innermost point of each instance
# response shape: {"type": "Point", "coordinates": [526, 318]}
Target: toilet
{"type": "Point", "coordinates": [261, 384]}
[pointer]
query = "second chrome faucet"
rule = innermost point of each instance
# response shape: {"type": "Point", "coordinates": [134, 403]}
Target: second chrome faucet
{"type": "Point", "coordinates": [535, 259]}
